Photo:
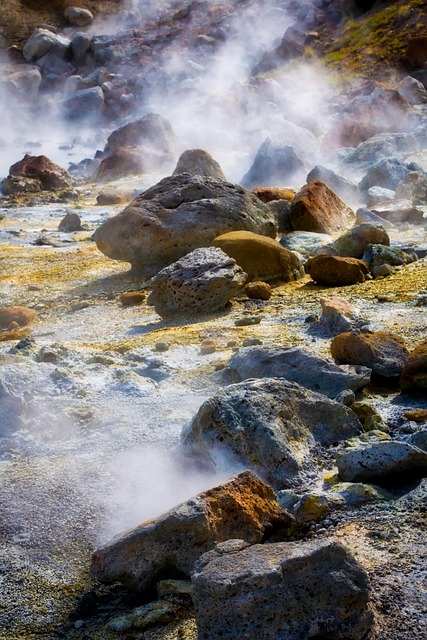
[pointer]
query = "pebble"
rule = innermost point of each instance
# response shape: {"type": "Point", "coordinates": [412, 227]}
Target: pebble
{"type": "Point", "coordinates": [208, 346]}
{"type": "Point", "coordinates": [251, 342]}
{"type": "Point", "coordinates": [244, 322]}
{"type": "Point", "coordinates": [132, 298]}
{"type": "Point", "coordinates": [161, 346]}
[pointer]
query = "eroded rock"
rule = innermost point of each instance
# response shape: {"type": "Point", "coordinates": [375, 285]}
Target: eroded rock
{"type": "Point", "coordinates": [317, 208]}
{"type": "Point", "coordinates": [385, 353]}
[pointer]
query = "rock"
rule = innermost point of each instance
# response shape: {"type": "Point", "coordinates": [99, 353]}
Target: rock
{"type": "Point", "coordinates": [147, 615]}
{"type": "Point", "coordinates": [347, 191]}
{"type": "Point", "coordinates": [317, 208]}
{"type": "Point", "coordinates": [274, 163]}
{"type": "Point", "coordinates": [355, 494]}
{"type": "Point", "coordinates": [383, 462]}
{"type": "Point", "coordinates": [80, 46]}
{"type": "Point", "coordinates": [378, 147]}
{"type": "Point", "coordinates": [208, 346]}
{"type": "Point", "coordinates": [377, 255]}
{"type": "Point", "coordinates": [152, 132]}
{"type": "Point", "coordinates": [414, 374]}
{"type": "Point", "coordinates": [270, 425]}
{"type": "Point", "coordinates": [201, 282]}
{"type": "Point", "coordinates": [243, 507]}
{"type": "Point", "coordinates": [413, 188]}
{"type": "Point", "coordinates": [346, 397]}
{"type": "Point", "coordinates": [335, 270]}
{"type": "Point", "coordinates": [41, 41]}
{"type": "Point", "coordinates": [365, 216]}
{"type": "Point", "coordinates": [384, 353]}
{"type": "Point", "coordinates": [109, 198]}
{"type": "Point", "coordinates": [297, 364]}
{"type": "Point", "coordinates": [247, 321]}
{"type": "Point", "coordinates": [416, 52]}
{"type": "Point", "coordinates": [305, 242]}
{"type": "Point", "coordinates": [258, 290]}
{"type": "Point", "coordinates": [386, 173]}
{"type": "Point", "coordinates": [419, 438]}
{"type": "Point", "coordinates": [70, 222]}
{"type": "Point", "coordinates": [369, 417]}
{"type": "Point", "coordinates": [272, 194]}
{"type": "Point", "coordinates": [197, 162]}
{"type": "Point", "coordinates": [354, 242]}
{"type": "Point", "coordinates": [292, 590]}
{"type": "Point", "coordinates": [50, 175]}
{"type": "Point", "coordinates": [282, 214]}
{"type": "Point", "coordinates": [338, 315]}
{"type": "Point", "coordinates": [21, 81]}
{"type": "Point", "coordinates": [412, 90]}
{"type": "Point", "coordinates": [417, 415]}
{"type": "Point", "coordinates": [86, 104]}
{"type": "Point", "coordinates": [13, 185]}
{"type": "Point", "coordinates": [132, 298]}
{"type": "Point", "coordinates": [78, 17]}
{"type": "Point", "coordinates": [179, 214]}
{"type": "Point", "coordinates": [399, 212]}
{"type": "Point", "coordinates": [23, 316]}
{"type": "Point", "coordinates": [127, 161]}
{"type": "Point", "coordinates": [260, 257]}
{"type": "Point", "coordinates": [379, 194]}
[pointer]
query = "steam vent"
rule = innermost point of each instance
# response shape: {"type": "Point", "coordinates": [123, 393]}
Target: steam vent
{"type": "Point", "coordinates": [213, 326]}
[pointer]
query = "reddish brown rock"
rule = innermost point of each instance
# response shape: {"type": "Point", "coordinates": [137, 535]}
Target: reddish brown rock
{"type": "Point", "coordinates": [258, 290]}
{"type": "Point", "coordinates": [317, 208]}
{"type": "Point", "coordinates": [270, 194]}
{"type": "Point", "coordinates": [107, 198]}
{"type": "Point", "coordinates": [416, 52]}
{"type": "Point", "coordinates": [132, 298]}
{"type": "Point", "coordinates": [385, 353]}
{"type": "Point", "coordinates": [414, 374]}
{"type": "Point", "coordinates": [243, 508]}
{"type": "Point", "coordinates": [335, 270]}
{"type": "Point", "coordinates": [125, 161]}
{"type": "Point", "coordinates": [50, 175]}
{"type": "Point", "coordinates": [417, 415]}
{"type": "Point", "coordinates": [16, 316]}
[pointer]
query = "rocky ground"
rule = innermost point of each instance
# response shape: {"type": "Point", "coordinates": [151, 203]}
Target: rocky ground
{"type": "Point", "coordinates": [96, 388]}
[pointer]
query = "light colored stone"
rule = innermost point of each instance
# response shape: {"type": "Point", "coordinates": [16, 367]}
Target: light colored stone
{"type": "Point", "coordinates": [382, 461]}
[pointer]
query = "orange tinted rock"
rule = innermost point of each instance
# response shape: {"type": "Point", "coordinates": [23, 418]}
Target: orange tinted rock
{"type": "Point", "coordinates": [417, 415]}
{"type": "Point", "coordinates": [414, 374]}
{"type": "Point", "coordinates": [385, 353]}
{"type": "Point", "coordinates": [258, 290]}
{"type": "Point", "coordinates": [132, 298]}
{"type": "Point", "coordinates": [50, 175]}
{"type": "Point", "coordinates": [336, 270]}
{"type": "Point", "coordinates": [269, 194]}
{"type": "Point", "coordinates": [317, 208]}
{"type": "Point", "coordinates": [22, 316]}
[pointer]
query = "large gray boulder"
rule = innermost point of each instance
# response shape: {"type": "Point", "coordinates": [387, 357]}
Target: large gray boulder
{"type": "Point", "coordinates": [201, 282]}
{"type": "Point", "coordinates": [270, 425]}
{"type": "Point", "coordinates": [300, 365]}
{"type": "Point", "coordinates": [382, 462]}
{"type": "Point", "coordinates": [274, 164]}
{"type": "Point", "coordinates": [41, 41]}
{"type": "Point", "coordinates": [386, 173]}
{"type": "Point", "coordinates": [22, 81]}
{"type": "Point", "coordinates": [85, 104]}
{"type": "Point", "coordinates": [346, 190]}
{"type": "Point", "coordinates": [281, 591]}
{"type": "Point", "coordinates": [243, 507]}
{"type": "Point", "coordinates": [178, 215]}
{"type": "Point", "coordinates": [354, 242]}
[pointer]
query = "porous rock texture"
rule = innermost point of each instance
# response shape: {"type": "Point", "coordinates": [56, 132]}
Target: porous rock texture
{"type": "Point", "coordinates": [243, 508]}
{"type": "Point", "coordinates": [297, 364]}
{"type": "Point", "coordinates": [269, 425]}
{"type": "Point", "coordinates": [317, 208]}
{"type": "Point", "coordinates": [382, 462]}
{"type": "Point", "coordinates": [198, 162]}
{"type": "Point", "coordinates": [336, 270]}
{"type": "Point", "coordinates": [281, 591]}
{"type": "Point", "coordinates": [201, 282]}
{"type": "Point", "coordinates": [179, 214]}
{"type": "Point", "coordinates": [385, 353]}
{"type": "Point", "coordinates": [260, 257]}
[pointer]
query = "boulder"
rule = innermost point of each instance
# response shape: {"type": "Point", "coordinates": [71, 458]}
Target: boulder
{"type": "Point", "coordinates": [260, 257]}
{"type": "Point", "coordinates": [344, 189]}
{"type": "Point", "coordinates": [317, 208]}
{"type": "Point", "coordinates": [382, 462]}
{"type": "Point", "coordinates": [110, 198]}
{"type": "Point", "coordinates": [85, 104]}
{"type": "Point", "coordinates": [78, 17]}
{"type": "Point", "coordinates": [80, 45]}
{"type": "Point", "coordinates": [271, 194]}
{"type": "Point", "coordinates": [179, 214]}
{"type": "Point", "coordinates": [297, 364]}
{"type": "Point", "coordinates": [414, 374]}
{"type": "Point", "coordinates": [379, 194]}
{"type": "Point", "coordinates": [419, 438]}
{"type": "Point", "coordinates": [378, 147]}
{"type": "Point", "coordinates": [152, 131]}
{"type": "Point", "coordinates": [416, 51]}
{"type": "Point", "coordinates": [378, 255]}
{"type": "Point", "coordinates": [243, 507]}
{"type": "Point", "coordinates": [335, 270]}
{"type": "Point", "coordinates": [12, 185]}
{"type": "Point", "coordinates": [384, 353]}
{"type": "Point", "coordinates": [50, 175]}
{"type": "Point", "coordinates": [198, 163]}
{"type": "Point", "coordinates": [305, 242]}
{"type": "Point", "coordinates": [413, 187]}
{"type": "Point", "coordinates": [338, 315]}
{"type": "Point", "coordinates": [354, 242]}
{"type": "Point", "coordinates": [274, 163]}
{"type": "Point", "coordinates": [386, 173]}
{"type": "Point", "coordinates": [270, 425]}
{"type": "Point", "coordinates": [412, 90]}
{"type": "Point", "coordinates": [400, 211]}
{"type": "Point", "coordinates": [70, 222]}
{"type": "Point", "coordinates": [43, 40]}
{"type": "Point", "coordinates": [282, 214]}
{"type": "Point", "coordinates": [201, 282]}
{"type": "Point", "coordinates": [21, 81]}
{"type": "Point", "coordinates": [125, 161]}
{"type": "Point", "coordinates": [283, 590]}
{"type": "Point", "coordinates": [22, 316]}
